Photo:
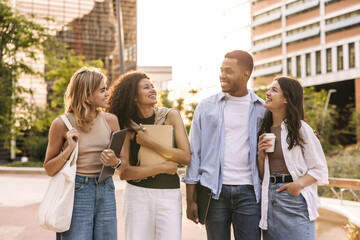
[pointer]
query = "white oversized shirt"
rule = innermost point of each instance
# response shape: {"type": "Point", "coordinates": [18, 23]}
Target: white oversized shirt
{"type": "Point", "coordinates": [309, 160]}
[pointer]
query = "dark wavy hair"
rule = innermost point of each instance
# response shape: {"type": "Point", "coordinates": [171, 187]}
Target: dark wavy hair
{"type": "Point", "coordinates": [294, 113]}
{"type": "Point", "coordinates": [122, 96]}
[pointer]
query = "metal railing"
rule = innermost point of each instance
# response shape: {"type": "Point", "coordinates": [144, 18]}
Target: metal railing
{"type": "Point", "coordinates": [344, 184]}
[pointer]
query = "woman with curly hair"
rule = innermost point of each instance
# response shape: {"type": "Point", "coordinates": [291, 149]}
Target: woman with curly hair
{"type": "Point", "coordinates": [94, 211]}
{"type": "Point", "coordinates": [292, 172]}
{"type": "Point", "coordinates": [152, 205]}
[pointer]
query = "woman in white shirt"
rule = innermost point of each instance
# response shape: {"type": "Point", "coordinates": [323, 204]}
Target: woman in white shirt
{"type": "Point", "coordinates": [292, 172]}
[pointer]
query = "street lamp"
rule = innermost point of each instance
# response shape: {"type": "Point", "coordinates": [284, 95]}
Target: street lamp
{"type": "Point", "coordinates": [121, 36]}
{"type": "Point", "coordinates": [325, 109]}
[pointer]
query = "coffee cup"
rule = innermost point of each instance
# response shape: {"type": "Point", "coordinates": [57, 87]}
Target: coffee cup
{"type": "Point", "coordinates": [272, 137]}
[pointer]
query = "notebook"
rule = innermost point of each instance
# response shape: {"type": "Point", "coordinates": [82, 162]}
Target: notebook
{"type": "Point", "coordinates": [163, 134]}
{"type": "Point", "coordinates": [203, 197]}
{"type": "Point", "coordinates": [116, 143]}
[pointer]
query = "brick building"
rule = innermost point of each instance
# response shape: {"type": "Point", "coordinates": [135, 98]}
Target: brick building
{"type": "Point", "coordinates": [316, 41]}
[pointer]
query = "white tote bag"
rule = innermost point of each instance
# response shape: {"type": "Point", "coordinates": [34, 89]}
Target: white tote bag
{"type": "Point", "coordinates": [56, 208]}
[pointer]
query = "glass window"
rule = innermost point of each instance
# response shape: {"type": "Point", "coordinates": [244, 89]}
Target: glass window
{"type": "Point", "coordinates": [298, 66]}
{"type": "Point", "coordinates": [340, 58]}
{"type": "Point", "coordinates": [328, 60]}
{"type": "Point", "coordinates": [351, 55]}
{"type": "Point", "coordinates": [308, 64]}
{"type": "Point", "coordinates": [318, 62]}
{"type": "Point", "coordinates": [288, 64]}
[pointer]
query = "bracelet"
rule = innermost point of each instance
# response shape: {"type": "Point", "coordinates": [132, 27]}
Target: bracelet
{"type": "Point", "coordinates": [117, 165]}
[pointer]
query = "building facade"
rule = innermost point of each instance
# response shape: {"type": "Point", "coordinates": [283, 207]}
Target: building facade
{"type": "Point", "coordinates": [315, 41]}
{"type": "Point", "coordinates": [161, 76]}
{"type": "Point", "coordinates": [90, 28]}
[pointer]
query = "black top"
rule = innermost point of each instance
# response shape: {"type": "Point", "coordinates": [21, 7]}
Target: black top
{"type": "Point", "coordinates": [160, 181]}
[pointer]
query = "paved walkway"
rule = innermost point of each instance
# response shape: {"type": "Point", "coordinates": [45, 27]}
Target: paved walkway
{"type": "Point", "coordinates": [20, 196]}
{"type": "Point", "coordinates": [21, 193]}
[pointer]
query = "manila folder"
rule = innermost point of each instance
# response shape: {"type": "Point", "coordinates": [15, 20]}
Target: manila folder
{"type": "Point", "coordinates": [163, 134]}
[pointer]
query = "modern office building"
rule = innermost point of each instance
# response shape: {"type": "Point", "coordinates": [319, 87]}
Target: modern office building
{"type": "Point", "coordinates": [90, 28]}
{"type": "Point", "coordinates": [316, 41]}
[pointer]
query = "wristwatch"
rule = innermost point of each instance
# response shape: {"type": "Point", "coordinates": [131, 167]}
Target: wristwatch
{"type": "Point", "coordinates": [117, 165]}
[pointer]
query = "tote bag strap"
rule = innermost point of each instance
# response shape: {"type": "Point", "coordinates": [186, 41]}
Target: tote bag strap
{"type": "Point", "coordinates": [67, 122]}
{"type": "Point", "coordinates": [74, 154]}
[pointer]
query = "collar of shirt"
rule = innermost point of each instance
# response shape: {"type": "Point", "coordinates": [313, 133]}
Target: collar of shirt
{"type": "Point", "coordinates": [207, 142]}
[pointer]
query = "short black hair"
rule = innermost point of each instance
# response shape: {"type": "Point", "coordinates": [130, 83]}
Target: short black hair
{"type": "Point", "coordinates": [244, 59]}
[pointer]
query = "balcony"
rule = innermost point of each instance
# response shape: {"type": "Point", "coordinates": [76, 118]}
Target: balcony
{"type": "Point", "coordinates": [342, 23]}
{"type": "Point", "coordinates": [267, 19]}
{"type": "Point", "coordinates": [267, 71]}
{"type": "Point", "coordinates": [301, 7]}
{"type": "Point", "coordinates": [302, 35]}
{"type": "Point", "coordinates": [267, 45]}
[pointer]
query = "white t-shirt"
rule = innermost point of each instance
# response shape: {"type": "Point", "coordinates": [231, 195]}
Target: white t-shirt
{"type": "Point", "coordinates": [237, 170]}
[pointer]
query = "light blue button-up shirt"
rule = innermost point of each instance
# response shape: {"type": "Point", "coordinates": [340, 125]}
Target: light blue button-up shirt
{"type": "Point", "coordinates": [207, 142]}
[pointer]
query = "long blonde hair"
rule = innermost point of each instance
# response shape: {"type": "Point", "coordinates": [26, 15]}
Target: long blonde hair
{"type": "Point", "coordinates": [82, 85]}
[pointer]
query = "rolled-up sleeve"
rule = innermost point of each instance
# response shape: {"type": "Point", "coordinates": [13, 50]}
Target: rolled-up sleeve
{"type": "Point", "coordinates": [314, 156]}
{"type": "Point", "coordinates": [192, 175]}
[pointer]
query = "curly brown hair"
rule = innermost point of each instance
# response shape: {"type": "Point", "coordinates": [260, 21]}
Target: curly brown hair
{"type": "Point", "coordinates": [122, 96]}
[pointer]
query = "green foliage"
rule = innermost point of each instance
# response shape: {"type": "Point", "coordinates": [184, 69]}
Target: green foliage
{"type": "Point", "coordinates": [61, 64]}
{"type": "Point", "coordinates": [164, 99]}
{"type": "Point", "coordinates": [37, 137]}
{"type": "Point", "coordinates": [343, 163]}
{"type": "Point", "coordinates": [20, 41]}
{"type": "Point", "coordinates": [23, 164]}
{"type": "Point", "coordinates": [180, 104]}
{"type": "Point", "coordinates": [261, 93]}
{"type": "Point", "coordinates": [319, 119]}
{"type": "Point", "coordinates": [189, 113]}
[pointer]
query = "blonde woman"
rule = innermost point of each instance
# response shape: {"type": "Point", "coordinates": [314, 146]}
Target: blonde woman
{"type": "Point", "coordinates": [94, 212]}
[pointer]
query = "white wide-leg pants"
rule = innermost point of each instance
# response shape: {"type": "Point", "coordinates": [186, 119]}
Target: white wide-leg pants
{"type": "Point", "coordinates": [151, 214]}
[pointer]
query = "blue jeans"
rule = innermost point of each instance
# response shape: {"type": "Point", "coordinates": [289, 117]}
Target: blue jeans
{"type": "Point", "coordinates": [288, 217]}
{"type": "Point", "coordinates": [237, 205]}
{"type": "Point", "coordinates": [94, 212]}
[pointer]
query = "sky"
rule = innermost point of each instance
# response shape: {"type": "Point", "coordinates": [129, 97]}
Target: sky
{"type": "Point", "coordinates": [164, 26]}
{"type": "Point", "coordinates": [192, 36]}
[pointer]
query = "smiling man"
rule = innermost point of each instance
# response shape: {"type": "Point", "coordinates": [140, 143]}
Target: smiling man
{"type": "Point", "coordinates": [223, 140]}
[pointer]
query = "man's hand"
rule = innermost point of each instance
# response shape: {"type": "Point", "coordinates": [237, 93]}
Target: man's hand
{"type": "Point", "coordinates": [317, 134]}
{"type": "Point", "coordinates": [192, 211]}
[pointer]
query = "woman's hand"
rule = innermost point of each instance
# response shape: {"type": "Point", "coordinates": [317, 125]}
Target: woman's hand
{"type": "Point", "coordinates": [108, 158]}
{"type": "Point", "coordinates": [169, 167]}
{"type": "Point", "coordinates": [143, 138]}
{"type": "Point", "coordinates": [295, 187]}
{"type": "Point", "coordinates": [262, 146]}
{"type": "Point", "coordinates": [72, 136]}
{"type": "Point", "coordinates": [292, 188]}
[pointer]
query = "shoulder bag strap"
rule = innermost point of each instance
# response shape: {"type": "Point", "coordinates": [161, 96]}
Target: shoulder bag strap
{"type": "Point", "coordinates": [66, 121]}
{"type": "Point", "coordinates": [74, 154]}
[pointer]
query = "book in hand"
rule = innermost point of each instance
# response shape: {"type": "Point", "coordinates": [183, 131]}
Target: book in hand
{"type": "Point", "coordinates": [163, 134]}
{"type": "Point", "coordinates": [116, 143]}
{"type": "Point", "coordinates": [203, 197]}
